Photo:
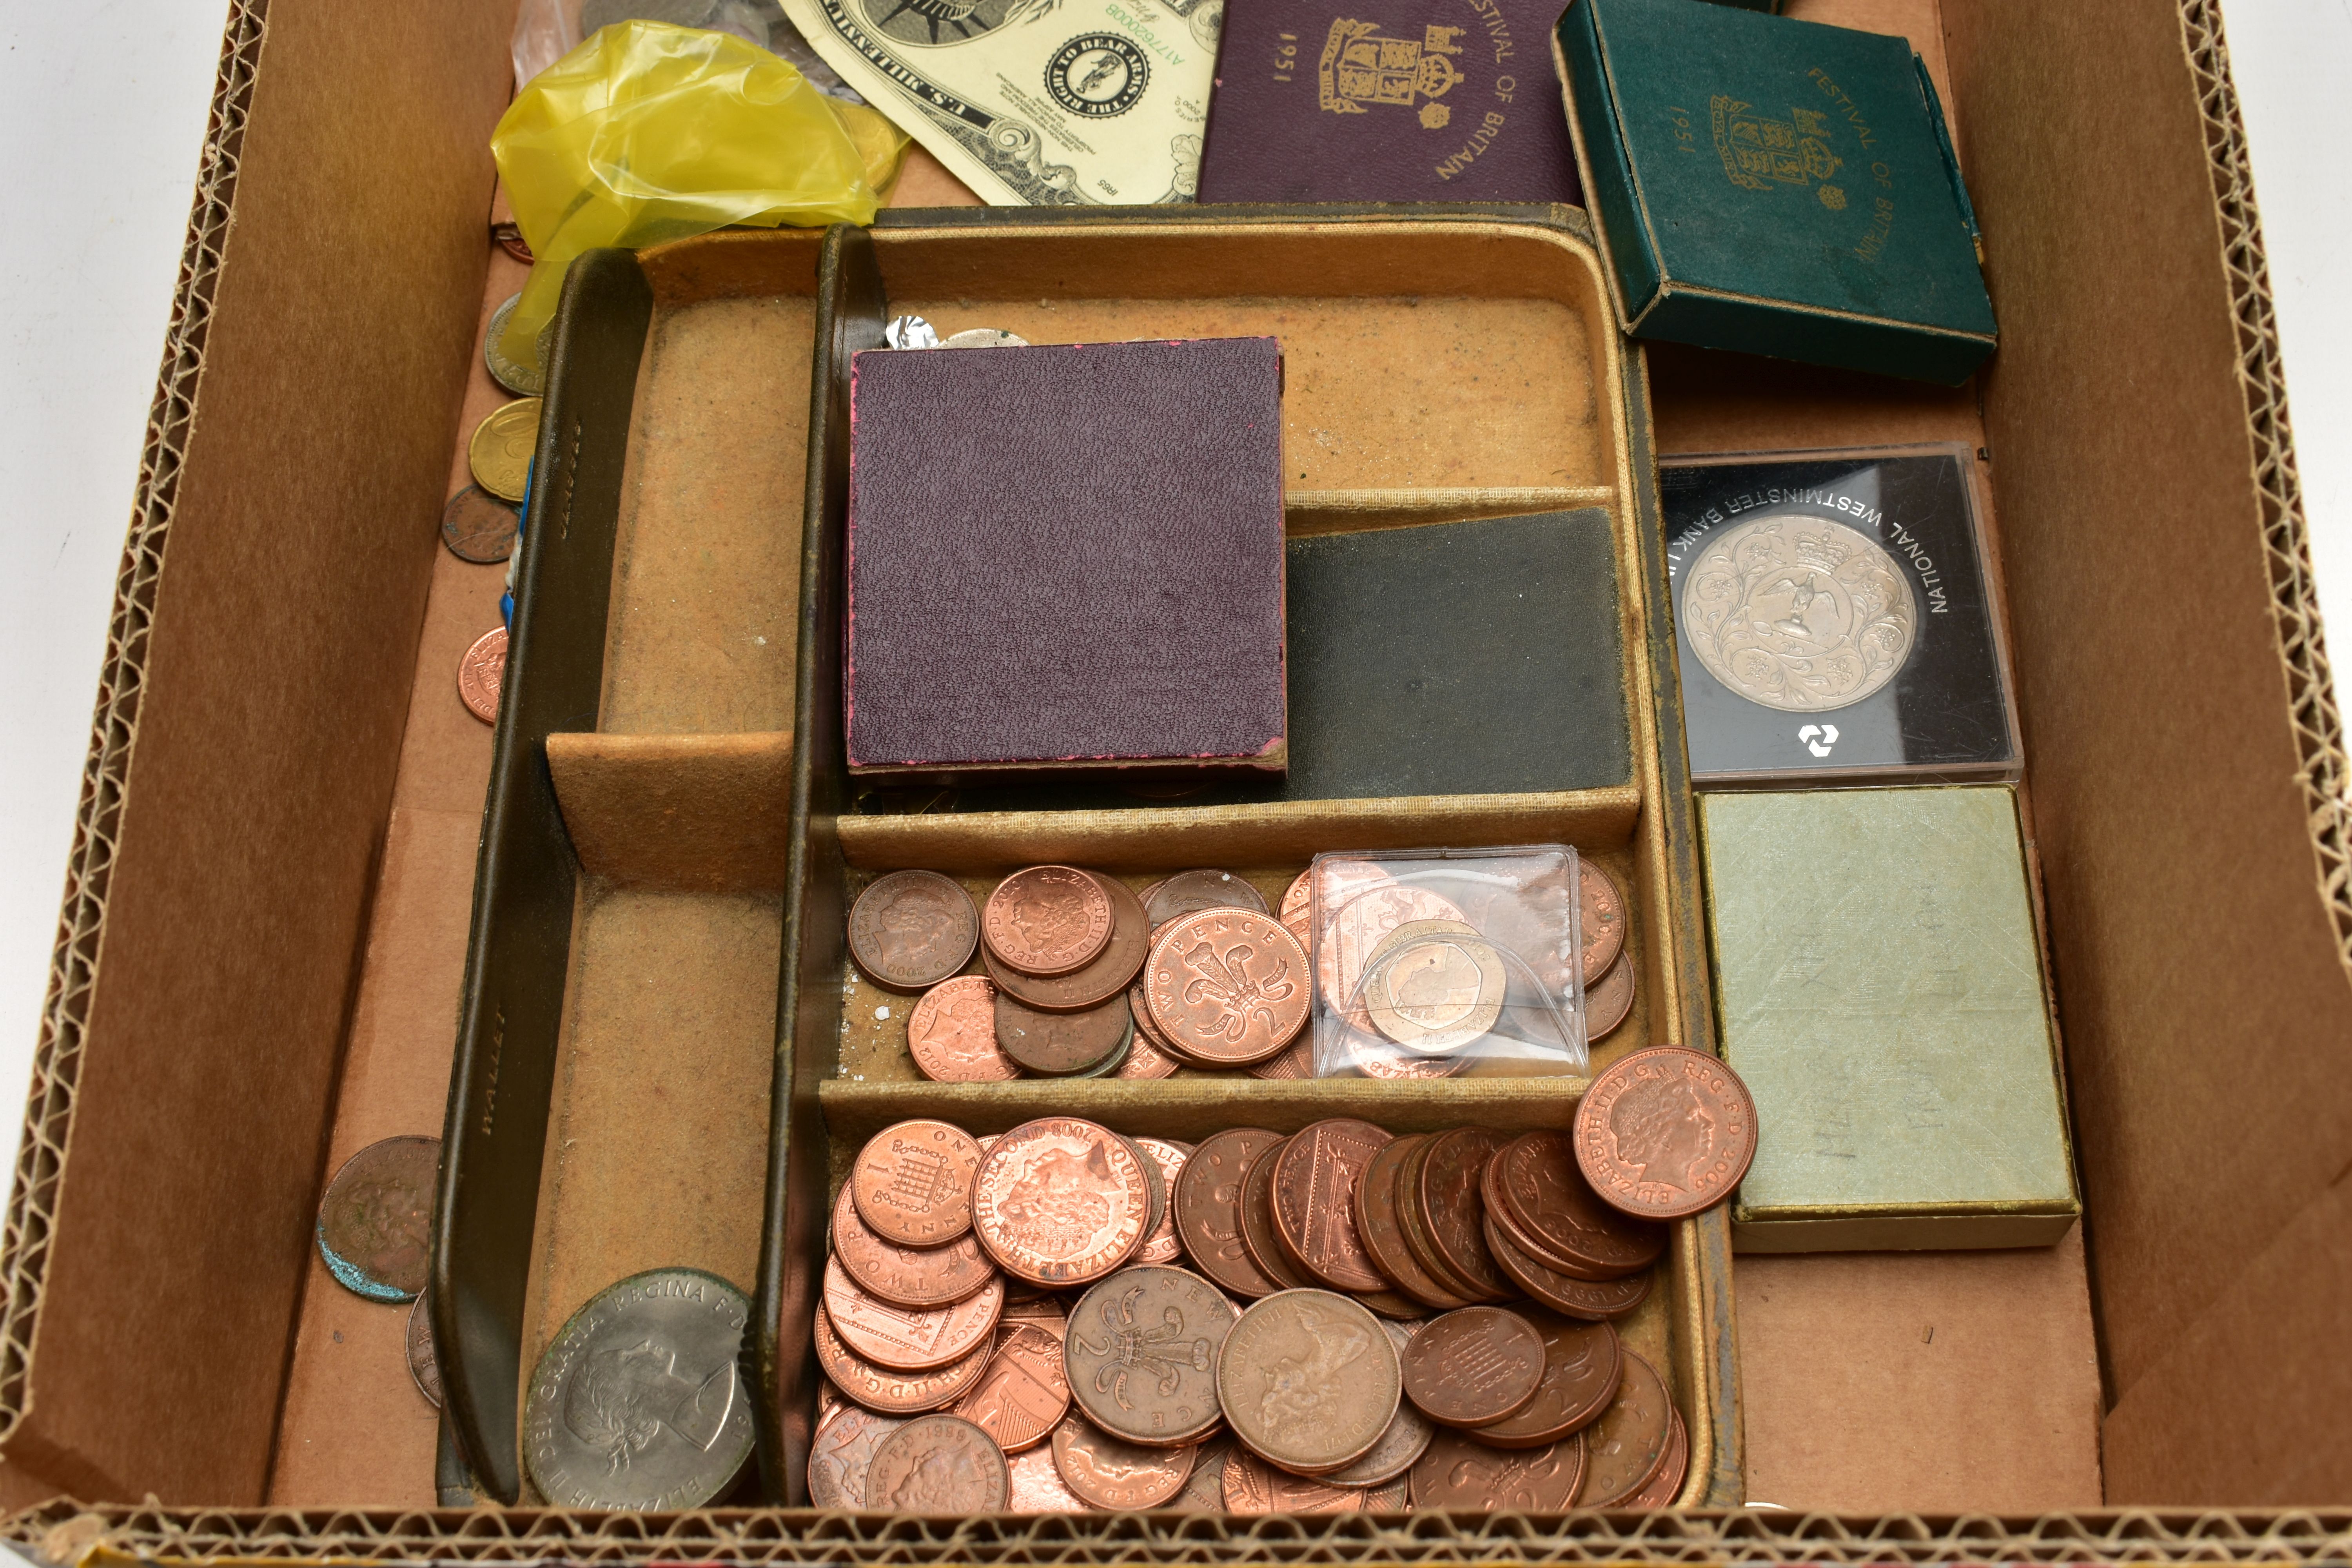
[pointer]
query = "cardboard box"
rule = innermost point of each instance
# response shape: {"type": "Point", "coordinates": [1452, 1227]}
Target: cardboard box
{"type": "Point", "coordinates": [265, 925]}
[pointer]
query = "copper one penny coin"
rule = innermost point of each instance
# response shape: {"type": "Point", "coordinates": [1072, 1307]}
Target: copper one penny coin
{"type": "Point", "coordinates": [1309, 1380]}
{"type": "Point", "coordinates": [1601, 918]}
{"type": "Point", "coordinates": [1473, 1367]}
{"type": "Point", "coordinates": [1593, 1300]}
{"type": "Point", "coordinates": [1580, 1371]}
{"type": "Point", "coordinates": [1296, 910]}
{"type": "Point", "coordinates": [1609, 1000]}
{"type": "Point", "coordinates": [1662, 1489]}
{"type": "Point", "coordinates": [1061, 1202]}
{"type": "Point", "coordinates": [479, 527]}
{"type": "Point", "coordinates": [1142, 1355]}
{"type": "Point", "coordinates": [1109, 972]}
{"type": "Point", "coordinates": [1047, 920]}
{"type": "Point", "coordinates": [1059, 1044]}
{"type": "Point", "coordinates": [1450, 1166]}
{"type": "Point", "coordinates": [888, 1390]}
{"type": "Point", "coordinates": [842, 1452]}
{"type": "Point", "coordinates": [1314, 1195]}
{"type": "Point", "coordinates": [1190, 892]}
{"type": "Point", "coordinates": [952, 1034]}
{"type": "Point", "coordinates": [375, 1223]}
{"type": "Point", "coordinates": [1293, 1062]}
{"type": "Point", "coordinates": [1024, 1390]}
{"type": "Point", "coordinates": [911, 1277]}
{"type": "Point", "coordinates": [1628, 1443]}
{"type": "Point", "coordinates": [1208, 1207]}
{"type": "Point", "coordinates": [1540, 1198]}
{"type": "Point", "coordinates": [940, 1464]}
{"type": "Point", "coordinates": [1037, 1484]}
{"type": "Point", "coordinates": [1109, 1472]}
{"type": "Point", "coordinates": [1413, 1224]}
{"type": "Point", "coordinates": [909, 1338]}
{"type": "Point", "coordinates": [1261, 1234]}
{"type": "Point", "coordinates": [482, 674]}
{"type": "Point", "coordinates": [912, 1183]}
{"type": "Point", "coordinates": [912, 928]}
{"type": "Point", "coordinates": [1164, 1245]}
{"type": "Point", "coordinates": [1665, 1133]}
{"type": "Point", "coordinates": [1462, 1473]}
{"type": "Point", "coordinates": [1229, 986]}
{"type": "Point", "coordinates": [1253, 1486]}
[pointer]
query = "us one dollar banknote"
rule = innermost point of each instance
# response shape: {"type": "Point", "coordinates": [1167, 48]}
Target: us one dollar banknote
{"type": "Point", "coordinates": [1036, 102]}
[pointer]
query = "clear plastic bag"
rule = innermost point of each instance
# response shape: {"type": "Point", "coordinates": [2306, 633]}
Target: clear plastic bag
{"type": "Point", "coordinates": [1434, 962]}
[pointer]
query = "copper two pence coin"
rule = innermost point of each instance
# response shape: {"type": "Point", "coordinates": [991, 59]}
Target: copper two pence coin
{"type": "Point", "coordinates": [1208, 1207]}
{"type": "Point", "coordinates": [1164, 1245]}
{"type": "Point", "coordinates": [1665, 1133]}
{"type": "Point", "coordinates": [1061, 1202]}
{"type": "Point", "coordinates": [1261, 1235]}
{"type": "Point", "coordinates": [1380, 1228]}
{"type": "Point", "coordinates": [1407, 1438]}
{"type": "Point", "coordinates": [1229, 986]}
{"type": "Point", "coordinates": [1628, 1443]}
{"type": "Point", "coordinates": [940, 1464]}
{"type": "Point", "coordinates": [842, 1452]}
{"type": "Point", "coordinates": [1293, 1062]}
{"type": "Point", "coordinates": [909, 1338]}
{"type": "Point", "coordinates": [1142, 1354]}
{"type": "Point", "coordinates": [1593, 1300]}
{"type": "Point", "coordinates": [482, 674]}
{"type": "Point", "coordinates": [1059, 1044]}
{"type": "Point", "coordinates": [1253, 1486]}
{"type": "Point", "coordinates": [1539, 1197]}
{"type": "Point", "coordinates": [1601, 918]}
{"type": "Point", "coordinates": [1109, 972]}
{"type": "Point", "coordinates": [1413, 1224]}
{"type": "Point", "coordinates": [1190, 892]}
{"type": "Point", "coordinates": [952, 1034]}
{"type": "Point", "coordinates": [1662, 1489]}
{"type": "Point", "coordinates": [1451, 1165]}
{"type": "Point", "coordinates": [911, 1277]}
{"type": "Point", "coordinates": [1109, 1472]}
{"type": "Point", "coordinates": [912, 928]}
{"type": "Point", "coordinates": [1609, 1000]}
{"type": "Point", "coordinates": [479, 527]}
{"type": "Point", "coordinates": [1047, 920]}
{"type": "Point", "coordinates": [1297, 911]}
{"type": "Point", "coordinates": [423, 1369]}
{"type": "Point", "coordinates": [375, 1223]}
{"type": "Point", "coordinates": [1024, 1390]}
{"type": "Point", "coordinates": [888, 1390]}
{"type": "Point", "coordinates": [1473, 1367]}
{"type": "Point", "coordinates": [1580, 1369]}
{"type": "Point", "coordinates": [1462, 1473]}
{"type": "Point", "coordinates": [1037, 1484]}
{"type": "Point", "coordinates": [1313, 1196]}
{"type": "Point", "coordinates": [912, 1183]}
{"type": "Point", "coordinates": [1309, 1380]}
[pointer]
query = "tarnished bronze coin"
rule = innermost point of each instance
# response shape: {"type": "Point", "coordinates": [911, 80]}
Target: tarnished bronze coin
{"type": "Point", "coordinates": [952, 1034]}
{"type": "Point", "coordinates": [1253, 1486]}
{"type": "Point", "coordinates": [1227, 985]}
{"type": "Point", "coordinates": [1024, 1390]}
{"type": "Point", "coordinates": [1535, 1193]}
{"type": "Point", "coordinates": [937, 1464]}
{"type": "Point", "coordinates": [1109, 1472]}
{"type": "Point", "coordinates": [1580, 1369]}
{"type": "Point", "coordinates": [1473, 1367]}
{"type": "Point", "coordinates": [1460, 1473]}
{"type": "Point", "coordinates": [891, 1392]}
{"type": "Point", "coordinates": [1609, 1000]}
{"type": "Point", "coordinates": [1406, 1439]}
{"type": "Point", "coordinates": [1628, 1443]}
{"type": "Point", "coordinates": [909, 1338]}
{"type": "Point", "coordinates": [375, 1223]}
{"type": "Point", "coordinates": [1662, 1489]}
{"type": "Point", "coordinates": [1601, 918]}
{"type": "Point", "coordinates": [1037, 1484]}
{"type": "Point", "coordinates": [423, 1369]}
{"type": "Point", "coordinates": [1060, 1045]}
{"type": "Point", "coordinates": [912, 1183]}
{"type": "Point", "coordinates": [1061, 1202]}
{"type": "Point", "coordinates": [1047, 920]}
{"type": "Point", "coordinates": [500, 449]}
{"type": "Point", "coordinates": [1190, 892]}
{"type": "Point", "coordinates": [1378, 1228]}
{"type": "Point", "coordinates": [479, 527]}
{"type": "Point", "coordinates": [1450, 1165]}
{"type": "Point", "coordinates": [482, 674]}
{"type": "Point", "coordinates": [1309, 1380]}
{"type": "Point", "coordinates": [1665, 1133]}
{"type": "Point", "coordinates": [842, 1452]}
{"type": "Point", "coordinates": [1146, 1059]}
{"type": "Point", "coordinates": [912, 928]}
{"type": "Point", "coordinates": [1108, 973]}
{"type": "Point", "coordinates": [1413, 1224]}
{"type": "Point", "coordinates": [910, 1276]}
{"type": "Point", "coordinates": [1164, 1245]}
{"type": "Point", "coordinates": [1142, 1354]}
{"type": "Point", "coordinates": [1208, 1206]}
{"type": "Point", "coordinates": [1314, 1199]}
{"type": "Point", "coordinates": [1261, 1235]}
{"type": "Point", "coordinates": [1593, 1300]}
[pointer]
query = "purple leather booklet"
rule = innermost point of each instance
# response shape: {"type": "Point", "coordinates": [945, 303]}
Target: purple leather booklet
{"type": "Point", "coordinates": [1066, 557]}
{"type": "Point", "coordinates": [1387, 101]}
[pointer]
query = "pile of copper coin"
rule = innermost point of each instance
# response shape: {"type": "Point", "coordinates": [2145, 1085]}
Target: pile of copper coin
{"type": "Point", "coordinates": [1063, 1318]}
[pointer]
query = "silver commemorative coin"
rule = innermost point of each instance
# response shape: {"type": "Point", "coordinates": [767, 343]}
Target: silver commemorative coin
{"type": "Point", "coordinates": [524, 380]}
{"type": "Point", "coordinates": [1799, 613]}
{"type": "Point", "coordinates": [639, 1404]}
{"type": "Point", "coordinates": [984, 338]}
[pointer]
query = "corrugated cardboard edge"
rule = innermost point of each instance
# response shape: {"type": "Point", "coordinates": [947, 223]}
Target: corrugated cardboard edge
{"type": "Point", "coordinates": [2286, 535]}
{"type": "Point", "coordinates": [114, 726]}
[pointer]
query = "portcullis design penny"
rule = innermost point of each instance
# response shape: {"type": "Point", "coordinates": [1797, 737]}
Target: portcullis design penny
{"type": "Point", "coordinates": [1535, 1191]}
{"type": "Point", "coordinates": [375, 1223]}
{"type": "Point", "coordinates": [1047, 920]}
{"type": "Point", "coordinates": [1142, 1354]}
{"type": "Point", "coordinates": [1309, 1381]}
{"type": "Point", "coordinates": [1665, 1133]}
{"type": "Point", "coordinates": [939, 1465]}
{"type": "Point", "coordinates": [910, 1276]}
{"type": "Point", "coordinates": [912, 928]}
{"type": "Point", "coordinates": [1112, 1473]}
{"type": "Point", "coordinates": [907, 1339]}
{"type": "Point", "coordinates": [500, 450]}
{"type": "Point", "coordinates": [1228, 986]}
{"type": "Point", "coordinates": [841, 1453]}
{"type": "Point", "coordinates": [1473, 1367]}
{"type": "Point", "coordinates": [1459, 1472]}
{"type": "Point", "coordinates": [1580, 1371]}
{"type": "Point", "coordinates": [1314, 1195]}
{"type": "Point", "coordinates": [1060, 1202]}
{"type": "Point", "coordinates": [1024, 1390]}
{"type": "Point", "coordinates": [482, 674]}
{"type": "Point", "coordinates": [1628, 1443]}
{"type": "Point", "coordinates": [912, 1183]}
{"type": "Point", "coordinates": [891, 1392]}
{"type": "Point", "coordinates": [1060, 1045]}
{"type": "Point", "coordinates": [1208, 1206]}
{"type": "Point", "coordinates": [479, 527]}
{"type": "Point", "coordinates": [952, 1034]}
{"type": "Point", "coordinates": [1797, 613]}
{"type": "Point", "coordinates": [1190, 892]}
{"type": "Point", "coordinates": [1600, 925]}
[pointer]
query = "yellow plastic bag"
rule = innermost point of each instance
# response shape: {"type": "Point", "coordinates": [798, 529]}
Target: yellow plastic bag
{"type": "Point", "coordinates": [649, 132]}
